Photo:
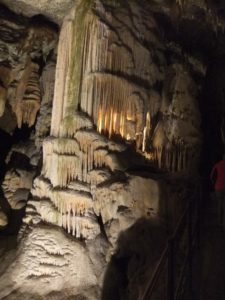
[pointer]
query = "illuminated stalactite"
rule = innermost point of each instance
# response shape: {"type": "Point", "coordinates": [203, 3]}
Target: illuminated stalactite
{"type": "Point", "coordinates": [102, 90]}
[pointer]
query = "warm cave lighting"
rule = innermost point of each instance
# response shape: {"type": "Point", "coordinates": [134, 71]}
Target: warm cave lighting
{"type": "Point", "coordinates": [114, 122]}
{"type": "Point", "coordinates": [99, 126]}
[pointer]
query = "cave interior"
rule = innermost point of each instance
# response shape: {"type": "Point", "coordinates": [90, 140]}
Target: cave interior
{"type": "Point", "coordinates": [112, 116]}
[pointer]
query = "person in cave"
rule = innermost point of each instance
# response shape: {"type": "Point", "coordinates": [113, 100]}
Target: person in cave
{"type": "Point", "coordinates": [218, 179]}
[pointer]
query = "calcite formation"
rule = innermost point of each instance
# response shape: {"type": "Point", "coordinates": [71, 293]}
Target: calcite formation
{"type": "Point", "coordinates": [103, 91]}
{"type": "Point", "coordinates": [53, 10]}
{"type": "Point", "coordinates": [177, 136]}
{"type": "Point", "coordinates": [22, 44]}
{"type": "Point", "coordinates": [123, 99]}
{"type": "Point", "coordinates": [55, 255]}
{"type": "Point", "coordinates": [16, 186]}
{"type": "Point", "coordinates": [42, 126]}
{"type": "Point", "coordinates": [28, 96]}
{"type": "Point", "coordinates": [117, 91]}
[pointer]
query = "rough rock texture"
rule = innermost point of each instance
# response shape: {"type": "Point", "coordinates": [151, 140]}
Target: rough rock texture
{"type": "Point", "coordinates": [131, 265]}
{"type": "Point", "coordinates": [24, 43]}
{"type": "Point", "coordinates": [45, 255]}
{"type": "Point", "coordinates": [177, 136]}
{"type": "Point", "coordinates": [124, 100]}
{"type": "Point", "coordinates": [120, 93]}
{"type": "Point", "coordinates": [47, 81]}
{"type": "Point", "coordinates": [77, 154]}
{"type": "Point", "coordinates": [16, 186]}
{"type": "Point", "coordinates": [26, 78]}
{"type": "Point", "coordinates": [104, 91]}
{"type": "Point", "coordinates": [54, 10]}
{"type": "Point", "coordinates": [24, 157]}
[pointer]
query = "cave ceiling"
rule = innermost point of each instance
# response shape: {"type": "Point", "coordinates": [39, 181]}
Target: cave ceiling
{"type": "Point", "coordinates": [197, 23]}
{"type": "Point", "coordinates": [54, 10]}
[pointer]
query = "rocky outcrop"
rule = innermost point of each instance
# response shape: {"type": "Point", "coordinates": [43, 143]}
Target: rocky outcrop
{"type": "Point", "coordinates": [47, 81]}
{"type": "Point", "coordinates": [45, 256]}
{"type": "Point", "coordinates": [23, 44]}
{"type": "Point", "coordinates": [115, 93]}
{"type": "Point", "coordinates": [24, 157]}
{"type": "Point", "coordinates": [53, 10]}
{"type": "Point", "coordinates": [125, 102]}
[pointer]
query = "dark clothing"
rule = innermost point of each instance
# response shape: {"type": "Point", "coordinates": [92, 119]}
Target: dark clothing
{"type": "Point", "coordinates": [218, 175]}
{"type": "Point", "coordinates": [220, 197]}
{"type": "Point", "coordinates": [218, 179]}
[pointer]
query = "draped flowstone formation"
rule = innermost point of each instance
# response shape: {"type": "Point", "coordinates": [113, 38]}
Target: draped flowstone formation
{"type": "Point", "coordinates": [23, 44]}
{"type": "Point", "coordinates": [105, 87]}
{"type": "Point", "coordinates": [93, 96]}
{"type": "Point", "coordinates": [119, 104]}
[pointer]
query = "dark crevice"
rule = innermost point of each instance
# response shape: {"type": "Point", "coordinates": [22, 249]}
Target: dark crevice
{"type": "Point", "coordinates": [102, 227]}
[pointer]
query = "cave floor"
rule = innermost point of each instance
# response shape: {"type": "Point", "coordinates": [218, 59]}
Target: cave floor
{"type": "Point", "coordinates": [211, 282]}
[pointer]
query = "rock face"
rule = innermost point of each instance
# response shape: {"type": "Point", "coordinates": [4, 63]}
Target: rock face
{"type": "Point", "coordinates": [78, 160]}
{"type": "Point", "coordinates": [45, 256]}
{"type": "Point", "coordinates": [124, 99]}
{"type": "Point", "coordinates": [53, 10]}
{"type": "Point", "coordinates": [23, 44]}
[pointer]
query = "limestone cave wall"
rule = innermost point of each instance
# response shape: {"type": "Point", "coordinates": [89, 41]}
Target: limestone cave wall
{"type": "Point", "coordinates": [104, 121]}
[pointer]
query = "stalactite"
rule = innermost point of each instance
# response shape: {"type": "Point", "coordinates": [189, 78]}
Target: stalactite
{"type": "Point", "coordinates": [102, 95]}
{"type": "Point", "coordinates": [64, 168]}
{"type": "Point", "coordinates": [28, 95]}
{"type": "Point", "coordinates": [66, 146]}
{"type": "Point", "coordinates": [146, 131]}
{"type": "Point", "coordinates": [72, 208]}
{"type": "Point", "coordinates": [113, 114]}
{"type": "Point", "coordinates": [68, 201]}
{"type": "Point", "coordinates": [80, 226]}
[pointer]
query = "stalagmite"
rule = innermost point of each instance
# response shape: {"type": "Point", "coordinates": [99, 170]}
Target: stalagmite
{"type": "Point", "coordinates": [62, 73]}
